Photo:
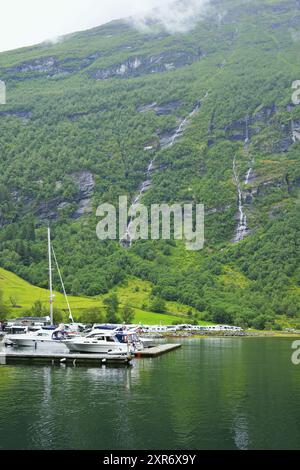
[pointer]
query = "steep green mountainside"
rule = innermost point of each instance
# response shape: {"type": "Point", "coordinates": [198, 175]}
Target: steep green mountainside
{"type": "Point", "coordinates": [86, 116]}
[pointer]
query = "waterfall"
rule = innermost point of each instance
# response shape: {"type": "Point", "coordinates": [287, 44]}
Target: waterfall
{"type": "Point", "coordinates": [127, 239]}
{"type": "Point", "coordinates": [247, 131]}
{"type": "Point", "coordinates": [242, 229]}
{"type": "Point", "coordinates": [180, 129]}
{"type": "Point", "coordinates": [246, 143]}
{"type": "Point", "coordinates": [248, 176]}
{"type": "Point", "coordinates": [295, 132]}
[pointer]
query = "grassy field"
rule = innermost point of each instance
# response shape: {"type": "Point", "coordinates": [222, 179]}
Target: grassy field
{"type": "Point", "coordinates": [24, 295]}
{"type": "Point", "coordinates": [135, 293]}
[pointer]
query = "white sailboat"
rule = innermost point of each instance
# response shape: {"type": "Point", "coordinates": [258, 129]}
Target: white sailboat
{"type": "Point", "coordinates": [49, 335]}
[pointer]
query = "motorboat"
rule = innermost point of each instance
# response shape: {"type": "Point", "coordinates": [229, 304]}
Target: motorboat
{"type": "Point", "coordinates": [105, 342]}
{"type": "Point", "coordinates": [125, 334]}
{"type": "Point", "coordinates": [131, 332]}
{"type": "Point", "coordinates": [16, 329]}
{"type": "Point", "coordinates": [44, 335]}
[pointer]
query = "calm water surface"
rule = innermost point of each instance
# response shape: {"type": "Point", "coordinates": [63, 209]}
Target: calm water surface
{"type": "Point", "coordinates": [212, 393]}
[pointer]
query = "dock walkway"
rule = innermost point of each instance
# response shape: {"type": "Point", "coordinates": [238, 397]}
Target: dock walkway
{"type": "Point", "coordinates": [30, 357]}
{"type": "Point", "coordinates": [61, 358]}
{"type": "Point", "coordinates": [158, 350]}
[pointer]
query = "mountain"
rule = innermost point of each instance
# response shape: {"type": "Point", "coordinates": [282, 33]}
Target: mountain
{"type": "Point", "coordinates": [85, 117]}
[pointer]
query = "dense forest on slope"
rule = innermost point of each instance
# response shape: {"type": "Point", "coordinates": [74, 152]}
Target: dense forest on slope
{"type": "Point", "coordinates": [84, 118]}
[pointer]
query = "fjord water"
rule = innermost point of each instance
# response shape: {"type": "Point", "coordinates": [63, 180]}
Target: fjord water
{"type": "Point", "coordinates": [213, 393]}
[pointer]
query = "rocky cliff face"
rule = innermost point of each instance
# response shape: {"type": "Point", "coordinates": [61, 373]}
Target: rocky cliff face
{"type": "Point", "coordinates": [51, 209]}
{"type": "Point", "coordinates": [46, 67]}
{"type": "Point", "coordinates": [142, 65]}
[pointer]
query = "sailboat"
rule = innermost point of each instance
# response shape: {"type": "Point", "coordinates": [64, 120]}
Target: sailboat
{"type": "Point", "coordinates": [109, 344]}
{"type": "Point", "coordinates": [49, 335]}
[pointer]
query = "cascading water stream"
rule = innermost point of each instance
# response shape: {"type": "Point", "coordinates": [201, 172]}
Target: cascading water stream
{"type": "Point", "coordinates": [127, 239]}
{"type": "Point", "coordinates": [242, 229]}
{"type": "Point", "coordinates": [247, 141]}
{"type": "Point", "coordinates": [180, 129]}
{"type": "Point", "coordinates": [295, 132]}
{"type": "Point", "coordinates": [247, 132]}
{"type": "Point", "coordinates": [248, 176]}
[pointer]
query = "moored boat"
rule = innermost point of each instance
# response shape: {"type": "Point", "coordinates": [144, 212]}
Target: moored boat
{"type": "Point", "coordinates": [106, 342]}
{"type": "Point", "coordinates": [48, 336]}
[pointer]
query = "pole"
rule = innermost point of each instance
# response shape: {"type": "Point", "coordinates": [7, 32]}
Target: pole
{"type": "Point", "coordinates": [50, 276]}
{"type": "Point", "coordinates": [63, 286]}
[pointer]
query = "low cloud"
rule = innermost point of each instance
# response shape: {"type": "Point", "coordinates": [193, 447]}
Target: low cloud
{"type": "Point", "coordinates": [175, 16]}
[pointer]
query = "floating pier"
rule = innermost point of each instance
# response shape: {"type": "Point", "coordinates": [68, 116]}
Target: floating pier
{"type": "Point", "coordinates": [74, 359]}
{"type": "Point", "coordinates": [157, 350]}
{"type": "Point", "coordinates": [62, 358]}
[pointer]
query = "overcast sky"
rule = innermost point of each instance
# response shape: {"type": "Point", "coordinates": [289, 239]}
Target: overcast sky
{"type": "Point", "coordinates": [28, 22]}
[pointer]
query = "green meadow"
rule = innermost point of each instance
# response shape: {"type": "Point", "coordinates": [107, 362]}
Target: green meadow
{"type": "Point", "coordinates": [19, 296]}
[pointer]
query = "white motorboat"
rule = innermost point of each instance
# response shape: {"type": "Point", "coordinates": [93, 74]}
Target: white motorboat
{"type": "Point", "coordinates": [32, 338]}
{"type": "Point", "coordinates": [105, 342]}
{"type": "Point", "coordinates": [15, 329]}
{"type": "Point", "coordinates": [125, 334]}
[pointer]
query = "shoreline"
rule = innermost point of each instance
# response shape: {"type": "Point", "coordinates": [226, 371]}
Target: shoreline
{"type": "Point", "coordinates": [262, 334]}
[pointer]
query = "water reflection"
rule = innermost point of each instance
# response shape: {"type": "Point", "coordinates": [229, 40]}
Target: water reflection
{"type": "Point", "coordinates": [211, 394]}
{"type": "Point", "coordinates": [241, 432]}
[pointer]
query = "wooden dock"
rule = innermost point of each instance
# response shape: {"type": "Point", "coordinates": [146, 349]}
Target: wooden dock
{"type": "Point", "coordinates": [62, 358]}
{"type": "Point", "coordinates": [157, 350]}
{"type": "Point", "coordinates": [73, 359]}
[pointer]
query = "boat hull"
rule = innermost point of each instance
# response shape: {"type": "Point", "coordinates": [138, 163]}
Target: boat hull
{"type": "Point", "coordinates": [29, 342]}
{"type": "Point", "coordinates": [96, 348]}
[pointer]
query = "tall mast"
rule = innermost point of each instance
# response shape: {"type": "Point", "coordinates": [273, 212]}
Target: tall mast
{"type": "Point", "coordinates": [50, 276]}
{"type": "Point", "coordinates": [62, 284]}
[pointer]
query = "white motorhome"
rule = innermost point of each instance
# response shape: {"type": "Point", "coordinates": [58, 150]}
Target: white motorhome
{"type": "Point", "coordinates": [221, 328]}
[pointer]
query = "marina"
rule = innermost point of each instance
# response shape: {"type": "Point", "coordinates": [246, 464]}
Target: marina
{"type": "Point", "coordinates": [57, 358]}
{"type": "Point", "coordinates": [73, 343]}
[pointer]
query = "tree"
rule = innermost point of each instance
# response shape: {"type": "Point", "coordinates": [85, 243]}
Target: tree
{"type": "Point", "coordinates": [75, 288]}
{"type": "Point", "coordinates": [158, 305]}
{"type": "Point", "coordinates": [38, 309]}
{"type": "Point", "coordinates": [13, 301]}
{"type": "Point", "coordinates": [112, 307]}
{"type": "Point", "coordinates": [127, 314]}
{"type": "Point", "coordinates": [57, 316]}
{"type": "Point", "coordinates": [220, 315]}
{"type": "Point", "coordinates": [262, 321]}
{"type": "Point", "coordinates": [92, 315]}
